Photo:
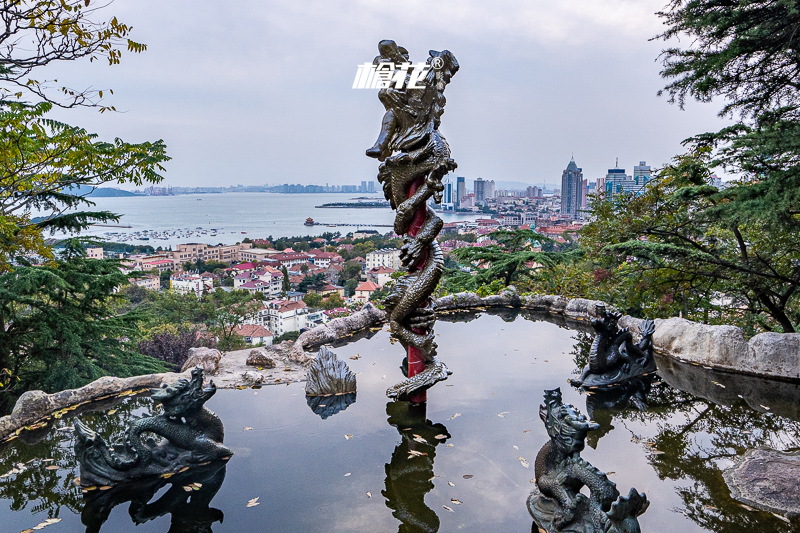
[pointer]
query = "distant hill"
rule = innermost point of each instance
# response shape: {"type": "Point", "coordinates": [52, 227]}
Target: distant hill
{"type": "Point", "coordinates": [100, 192]}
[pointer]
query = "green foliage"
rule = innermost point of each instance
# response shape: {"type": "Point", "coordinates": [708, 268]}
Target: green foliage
{"type": "Point", "coordinates": [286, 285]}
{"type": "Point", "coordinates": [58, 326]}
{"type": "Point", "coordinates": [350, 287]}
{"type": "Point", "coordinates": [705, 253]}
{"type": "Point", "coordinates": [312, 299]}
{"type": "Point", "coordinates": [332, 301]}
{"type": "Point", "coordinates": [746, 51]}
{"type": "Point", "coordinates": [315, 283]}
{"type": "Point", "coordinates": [512, 260]}
{"type": "Point", "coordinates": [288, 336]}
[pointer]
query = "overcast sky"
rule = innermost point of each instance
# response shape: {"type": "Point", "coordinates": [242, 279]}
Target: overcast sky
{"type": "Point", "coordinates": [259, 91]}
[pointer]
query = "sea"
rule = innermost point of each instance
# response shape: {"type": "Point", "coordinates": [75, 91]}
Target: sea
{"type": "Point", "coordinates": [228, 218]}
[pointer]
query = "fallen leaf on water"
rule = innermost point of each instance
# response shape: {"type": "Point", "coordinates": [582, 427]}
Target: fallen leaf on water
{"type": "Point", "coordinates": [187, 488]}
{"type": "Point", "coordinates": [468, 476]}
{"type": "Point", "coordinates": [253, 502]}
{"type": "Point", "coordinates": [440, 437]}
{"type": "Point", "coordinates": [610, 473]}
{"type": "Point", "coordinates": [77, 480]}
{"type": "Point", "coordinates": [502, 415]}
{"type": "Point", "coordinates": [451, 483]}
{"type": "Point", "coordinates": [51, 467]}
{"type": "Point", "coordinates": [198, 485]}
{"type": "Point", "coordinates": [765, 407]}
{"type": "Point", "coordinates": [527, 431]}
{"type": "Point", "coordinates": [455, 501]}
{"type": "Point", "coordinates": [248, 428]}
{"type": "Point", "coordinates": [165, 476]}
{"type": "Point", "coordinates": [781, 517]}
{"type": "Point", "coordinates": [446, 508]}
{"type": "Point", "coordinates": [711, 507]}
{"type": "Point", "coordinates": [415, 453]}
{"type": "Point", "coordinates": [348, 437]}
{"type": "Point", "coordinates": [355, 357]}
{"type": "Point", "coordinates": [656, 452]}
{"type": "Point", "coordinates": [347, 474]}
{"type": "Point", "coordinates": [369, 494]}
{"type": "Point", "coordinates": [420, 439]}
{"type": "Point", "coordinates": [105, 487]}
{"type": "Point", "coordinates": [747, 507]}
{"type": "Point", "coordinates": [516, 447]}
{"type": "Point", "coordinates": [184, 469]}
{"type": "Point", "coordinates": [523, 462]}
{"type": "Point", "coordinates": [455, 415]}
{"type": "Point", "coordinates": [111, 412]}
{"type": "Point", "coordinates": [46, 460]}
{"type": "Point", "coordinates": [450, 445]}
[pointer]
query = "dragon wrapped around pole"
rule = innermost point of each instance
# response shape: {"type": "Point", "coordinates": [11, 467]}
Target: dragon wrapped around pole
{"type": "Point", "coordinates": [414, 158]}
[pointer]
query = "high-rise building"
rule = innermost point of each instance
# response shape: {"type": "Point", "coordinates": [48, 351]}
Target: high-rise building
{"type": "Point", "coordinates": [571, 187]}
{"type": "Point", "coordinates": [618, 182]}
{"type": "Point", "coordinates": [461, 190]}
{"type": "Point", "coordinates": [448, 194]}
{"type": "Point", "coordinates": [480, 190]}
{"type": "Point", "coordinates": [641, 174]}
{"type": "Point", "coordinates": [489, 189]}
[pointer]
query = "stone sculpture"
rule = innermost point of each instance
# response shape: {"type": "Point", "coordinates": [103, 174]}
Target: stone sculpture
{"type": "Point", "coordinates": [614, 358]}
{"type": "Point", "coordinates": [330, 384]}
{"type": "Point", "coordinates": [415, 157]}
{"type": "Point", "coordinates": [189, 434]}
{"type": "Point", "coordinates": [556, 503]}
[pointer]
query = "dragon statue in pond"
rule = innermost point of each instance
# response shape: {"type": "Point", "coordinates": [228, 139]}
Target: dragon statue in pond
{"type": "Point", "coordinates": [186, 434]}
{"type": "Point", "coordinates": [414, 158]}
{"type": "Point", "coordinates": [556, 503]}
{"type": "Point", "coordinates": [614, 358]}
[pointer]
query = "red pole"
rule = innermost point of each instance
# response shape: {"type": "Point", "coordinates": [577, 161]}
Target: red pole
{"type": "Point", "coordinates": [416, 363]}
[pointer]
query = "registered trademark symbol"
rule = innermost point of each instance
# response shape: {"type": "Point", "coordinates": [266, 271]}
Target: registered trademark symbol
{"type": "Point", "coordinates": [437, 63]}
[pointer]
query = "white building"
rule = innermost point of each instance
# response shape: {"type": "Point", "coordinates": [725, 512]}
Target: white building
{"type": "Point", "coordinates": [388, 257]}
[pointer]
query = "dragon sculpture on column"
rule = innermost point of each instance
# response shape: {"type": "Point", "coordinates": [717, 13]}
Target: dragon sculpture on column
{"type": "Point", "coordinates": [415, 157]}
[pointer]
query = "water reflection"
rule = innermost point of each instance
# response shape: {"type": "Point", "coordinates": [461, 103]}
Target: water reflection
{"type": "Point", "coordinates": [326, 406]}
{"type": "Point", "coordinates": [409, 474]}
{"type": "Point", "coordinates": [603, 404]}
{"type": "Point", "coordinates": [187, 501]}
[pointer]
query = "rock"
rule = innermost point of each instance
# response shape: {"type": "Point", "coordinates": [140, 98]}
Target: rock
{"type": "Point", "coordinates": [337, 328]}
{"type": "Point", "coordinates": [258, 358]}
{"type": "Point", "coordinates": [328, 376]}
{"type": "Point", "coordinates": [33, 406]}
{"type": "Point", "coordinates": [206, 358]}
{"type": "Point", "coordinates": [582, 309]}
{"type": "Point", "coordinates": [508, 297]}
{"type": "Point", "coordinates": [767, 479]}
{"type": "Point", "coordinates": [33, 403]}
{"type": "Point", "coordinates": [775, 354]}
{"type": "Point", "coordinates": [251, 377]}
{"type": "Point", "coordinates": [462, 300]}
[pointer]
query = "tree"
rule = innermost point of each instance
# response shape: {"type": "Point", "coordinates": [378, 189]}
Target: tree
{"type": "Point", "coordinates": [286, 286]}
{"type": "Point", "coordinates": [350, 287]}
{"type": "Point", "coordinates": [350, 270]}
{"type": "Point", "coordinates": [312, 299]}
{"type": "Point", "coordinates": [746, 51]}
{"type": "Point", "coordinates": [58, 325]}
{"type": "Point", "coordinates": [709, 250]}
{"type": "Point", "coordinates": [228, 310]}
{"type": "Point", "coordinates": [332, 301]}
{"type": "Point", "coordinates": [512, 258]}
{"type": "Point", "coordinates": [314, 282]}
{"type": "Point", "coordinates": [45, 164]}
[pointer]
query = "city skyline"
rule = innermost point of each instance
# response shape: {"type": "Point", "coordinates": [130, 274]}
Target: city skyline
{"type": "Point", "coordinates": [282, 109]}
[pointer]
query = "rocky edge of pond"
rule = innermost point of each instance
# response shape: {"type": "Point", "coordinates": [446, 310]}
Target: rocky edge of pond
{"type": "Point", "coordinates": [771, 355]}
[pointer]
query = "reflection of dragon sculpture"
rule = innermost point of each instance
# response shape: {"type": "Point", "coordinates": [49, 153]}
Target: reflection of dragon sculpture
{"type": "Point", "coordinates": [614, 357]}
{"type": "Point", "coordinates": [191, 434]}
{"type": "Point", "coordinates": [557, 504]}
{"type": "Point", "coordinates": [415, 158]}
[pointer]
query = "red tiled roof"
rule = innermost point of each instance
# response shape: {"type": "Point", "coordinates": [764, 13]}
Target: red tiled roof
{"type": "Point", "coordinates": [252, 330]}
{"type": "Point", "coordinates": [368, 286]}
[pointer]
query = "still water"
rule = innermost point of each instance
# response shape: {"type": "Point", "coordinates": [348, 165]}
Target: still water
{"type": "Point", "coordinates": [235, 216]}
{"type": "Point", "coordinates": [353, 471]}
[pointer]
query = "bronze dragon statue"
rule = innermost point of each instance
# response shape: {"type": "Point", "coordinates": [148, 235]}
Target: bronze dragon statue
{"type": "Point", "coordinates": [415, 157]}
{"type": "Point", "coordinates": [189, 434]}
{"type": "Point", "coordinates": [614, 358]}
{"type": "Point", "coordinates": [557, 503]}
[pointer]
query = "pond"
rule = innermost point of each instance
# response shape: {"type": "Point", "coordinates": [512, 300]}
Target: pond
{"type": "Point", "coordinates": [353, 471]}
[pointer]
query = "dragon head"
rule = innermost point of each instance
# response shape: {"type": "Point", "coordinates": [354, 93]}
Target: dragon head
{"type": "Point", "coordinates": [566, 426]}
{"type": "Point", "coordinates": [185, 397]}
